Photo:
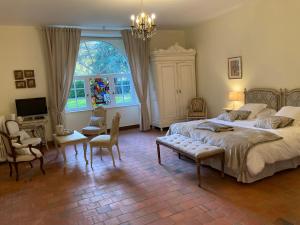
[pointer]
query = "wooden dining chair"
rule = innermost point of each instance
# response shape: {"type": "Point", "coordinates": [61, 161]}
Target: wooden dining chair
{"type": "Point", "coordinates": [108, 141]}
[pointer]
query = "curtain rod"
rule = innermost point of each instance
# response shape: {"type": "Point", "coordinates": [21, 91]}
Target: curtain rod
{"type": "Point", "coordinates": [101, 28]}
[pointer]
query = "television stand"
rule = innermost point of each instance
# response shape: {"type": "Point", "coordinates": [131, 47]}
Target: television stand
{"type": "Point", "coordinates": [38, 125]}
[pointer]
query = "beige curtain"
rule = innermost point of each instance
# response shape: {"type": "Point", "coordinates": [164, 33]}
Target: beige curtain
{"type": "Point", "coordinates": [138, 53]}
{"type": "Point", "coordinates": [61, 45]}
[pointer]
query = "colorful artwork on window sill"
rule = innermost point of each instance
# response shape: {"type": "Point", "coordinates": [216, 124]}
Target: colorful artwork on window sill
{"type": "Point", "coordinates": [100, 91]}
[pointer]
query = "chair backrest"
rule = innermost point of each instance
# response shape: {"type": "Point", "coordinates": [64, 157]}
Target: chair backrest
{"type": "Point", "coordinates": [12, 127]}
{"type": "Point", "coordinates": [114, 132]}
{"type": "Point", "coordinates": [100, 112]}
{"type": "Point", "coordinates": [6, 141]}
{"type": "Point", "coordinates": [198, 105]}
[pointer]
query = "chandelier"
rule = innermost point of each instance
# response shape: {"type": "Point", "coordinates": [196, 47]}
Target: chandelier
{"type": "Point", "coordinates": [143, 25]}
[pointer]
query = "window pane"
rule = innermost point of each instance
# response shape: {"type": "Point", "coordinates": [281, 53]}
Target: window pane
{"type": "Point", "coordinates": [79, 84]}
{"type": "Point", "coordinates": [77, 95]}
{"type": "Point", "coordinates": [80, 93]}
{"type": "Point", "coordinates": [100, 57]}
{"type": "Point", "coordinates": [81, 102]}
{"type": "Point", "coordinates": [72, 94]}
{"type": "Point", "coordinates": [100, 94]}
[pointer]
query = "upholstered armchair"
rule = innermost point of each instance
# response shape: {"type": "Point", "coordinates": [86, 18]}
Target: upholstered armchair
{"type": "Point", "coordinates": [108, 141]}
{"type": "Point", "coordinates": [197, 109]}
{"type": "Point", "coordinates": [97, 123]}
{"type": "Point", "coordinates": [17, 153]}
{"type": "Point", "coordinates": [21, 136]}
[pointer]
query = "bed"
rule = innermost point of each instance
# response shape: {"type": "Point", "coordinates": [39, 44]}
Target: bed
{"type": "Point", "coordinates": [265, 159]}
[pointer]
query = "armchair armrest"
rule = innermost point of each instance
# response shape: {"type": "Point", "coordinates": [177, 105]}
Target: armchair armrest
{"type": "Point", "coordinates": [16, 138]}
{"type": "Point", "coordinates": [30, 146]}
{"type": "Point", "coordinates": [18, 145]}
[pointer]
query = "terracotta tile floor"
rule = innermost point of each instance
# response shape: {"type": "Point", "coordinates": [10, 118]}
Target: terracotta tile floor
{"type": "Point", "coordinates": [140, 191]}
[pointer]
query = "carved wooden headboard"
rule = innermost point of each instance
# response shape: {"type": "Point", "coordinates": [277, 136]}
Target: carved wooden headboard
{"type": "Point", "coordinates": [291, 97]}
{"type": "Point", "coordinates": [268, 96]}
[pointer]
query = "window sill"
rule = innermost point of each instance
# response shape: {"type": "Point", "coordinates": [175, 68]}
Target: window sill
{"type": "Point", "coordinates": [106, 107]}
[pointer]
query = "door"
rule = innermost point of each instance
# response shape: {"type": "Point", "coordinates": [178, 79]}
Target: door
{"type": "Point", "coordinates": [167, 81]}
{"type": "Point", "coordinates": [186, 85]}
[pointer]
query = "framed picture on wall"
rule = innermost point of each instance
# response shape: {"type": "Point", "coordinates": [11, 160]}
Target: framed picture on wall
{"type": "Point", "coordinates": [31, 83]}
{"type": "Point", "coordinates": [235, 67]}
{"type": "Point", "coordinates": [29, 73]}
{"type": "Point", "coordinates": [20, 84]}
{"type": "Point", "coordinates": [18, 74]}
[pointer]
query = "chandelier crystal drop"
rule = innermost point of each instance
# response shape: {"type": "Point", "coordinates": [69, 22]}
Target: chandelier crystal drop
{"type": "Point", "coordinates": [143, 25]}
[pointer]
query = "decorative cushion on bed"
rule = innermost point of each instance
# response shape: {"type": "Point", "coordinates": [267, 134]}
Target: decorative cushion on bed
{"type": "Point", "coordinates": [268, 123]}
{"type": "Point", "coordinates": [266, 113]}
{"type": "Point", "coordinates": [274, 122]}
{"type": "Point", "coordinates": [291, 112]}
{"type": "Point", "coordinates": [255, 108]}
{"type": "Point", "coordinates": [241, 114]}
{"type": "Point", "coordinates": [228, 116]}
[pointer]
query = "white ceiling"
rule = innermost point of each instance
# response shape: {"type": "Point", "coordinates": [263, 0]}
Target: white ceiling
{"type": "Point", "coordinates": [110, 13]}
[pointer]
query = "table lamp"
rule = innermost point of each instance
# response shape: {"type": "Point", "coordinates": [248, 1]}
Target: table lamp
{"type": "Point", "coordinates": [234, 97]}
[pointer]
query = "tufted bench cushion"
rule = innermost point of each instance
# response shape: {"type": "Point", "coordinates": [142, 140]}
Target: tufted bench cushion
{"type": "Point", "coordinates": [192, 149]}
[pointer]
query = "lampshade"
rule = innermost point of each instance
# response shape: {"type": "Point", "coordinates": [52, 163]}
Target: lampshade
{"type": "Point", "coordinates": [235, 96]}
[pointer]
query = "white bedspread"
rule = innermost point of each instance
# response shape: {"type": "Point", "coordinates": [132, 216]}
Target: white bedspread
{"type": "Point", "coordinates": [267, 153]}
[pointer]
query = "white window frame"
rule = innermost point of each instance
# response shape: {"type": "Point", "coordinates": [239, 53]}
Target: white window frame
{"type": "Point", "coordinates": [110, 77]}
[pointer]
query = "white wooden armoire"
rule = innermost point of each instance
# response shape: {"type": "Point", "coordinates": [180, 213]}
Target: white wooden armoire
{"type": "Point", "coordinates": [172, 84]}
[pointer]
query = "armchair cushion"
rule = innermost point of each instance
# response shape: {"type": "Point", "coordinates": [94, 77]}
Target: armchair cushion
{"type": "Point", "coordinates": [31, 141]}
{"type": "Point", "coordinates": [24, 154]}
{"type": "Point", "coordinates": [101, 139]}
{"type": "Point", "coordinates": [93, 130]}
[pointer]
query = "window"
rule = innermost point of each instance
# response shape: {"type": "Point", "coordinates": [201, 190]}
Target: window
{"type": "Point", "coordinates": [102, 76]}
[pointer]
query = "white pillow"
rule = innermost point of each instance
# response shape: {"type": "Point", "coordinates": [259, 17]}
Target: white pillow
{"type": "Point", "coordinates": [255, 108]}
{"type": "Point", "coordinates": [266, 113]}
{"type": "Point", "coordinates": [291, 112]}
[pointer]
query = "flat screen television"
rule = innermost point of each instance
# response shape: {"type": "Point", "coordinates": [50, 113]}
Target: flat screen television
{"type": "Point", "coordinates": [31, 106]}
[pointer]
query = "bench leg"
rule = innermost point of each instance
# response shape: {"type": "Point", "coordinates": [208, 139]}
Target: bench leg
{"type": "Point", "coordinates": [222, 163]}
{"type": "Point", "coordinates": [158, 153]}
{"type": "Point", "coordinates": [179, 156]}
{"type": "Point", "coordinates": [198, 164]}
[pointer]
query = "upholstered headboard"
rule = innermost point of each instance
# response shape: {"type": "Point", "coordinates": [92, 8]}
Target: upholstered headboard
{"type": "Point", "coordinates": [268, 96]}
{"type": "Point", "coordinates": [291, 97]}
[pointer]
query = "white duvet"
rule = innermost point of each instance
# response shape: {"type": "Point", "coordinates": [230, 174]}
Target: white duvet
{"type": "Point", "coordinates": [271, 152]}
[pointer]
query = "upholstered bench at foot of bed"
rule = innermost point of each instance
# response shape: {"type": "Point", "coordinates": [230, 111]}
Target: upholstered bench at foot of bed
{"type": "Point", "coordinates": [192, 149]}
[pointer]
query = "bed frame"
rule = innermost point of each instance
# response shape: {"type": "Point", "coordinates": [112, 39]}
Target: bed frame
{"type": "Point", "coordinates": [269, 96]}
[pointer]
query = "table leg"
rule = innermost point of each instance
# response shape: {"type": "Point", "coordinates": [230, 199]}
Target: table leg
{"type": "Point", "coordinates": [64, 155]}
{"type": "Point", "coordinates": [57, 149]}
{"type": "Point", "coordinates": [198, 165]}
{"type": "Point", "coordinates": [75, 146]}
{"type": "Point", "coordinates": [158, 153]}
{"type": "Point", "coordinates": [84, 152]}
{"type": "Point", "coordinates": [91, 152]}
{"type": "Point", "coordinates": [45, 136]}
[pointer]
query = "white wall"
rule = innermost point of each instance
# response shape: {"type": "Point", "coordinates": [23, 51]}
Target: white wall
{"type": "Point", "coordinates": [21, 48]}
{"type": "Point", "coordinates": [264, 32]}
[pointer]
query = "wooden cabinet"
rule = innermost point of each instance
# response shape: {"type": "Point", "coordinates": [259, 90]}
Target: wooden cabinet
{"type": "Point", "coordinates": [172, 84]}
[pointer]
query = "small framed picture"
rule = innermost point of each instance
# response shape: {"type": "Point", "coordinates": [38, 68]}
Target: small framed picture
{"type": "Point", "coordinates": [19, 74]}
{"type": "Point", "coordinates": [20, 84]}
{"type": "Point", "coordinates": [29, 73]}
{"type": "Point", "coordinates": [31, 83]}
{"type": "Point", "coordinates": [235, 67]}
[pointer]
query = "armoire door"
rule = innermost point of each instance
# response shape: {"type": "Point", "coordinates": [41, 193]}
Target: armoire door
{"type": "Point", "coordinates": [186, 85]}
{"type": "Point", "coordinates": [168, 91]}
